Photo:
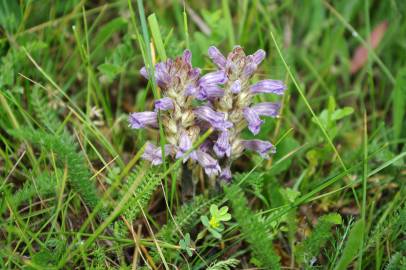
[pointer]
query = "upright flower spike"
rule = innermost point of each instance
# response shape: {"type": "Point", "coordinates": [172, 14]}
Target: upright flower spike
{"type": "Point", "coordinates": [225, 98]}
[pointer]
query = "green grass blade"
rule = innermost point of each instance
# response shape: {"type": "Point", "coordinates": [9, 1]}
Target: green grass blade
{"type": "Point", "coordinates": [352, 246]}
{"type": "Point", "coordinates": [156, 35]}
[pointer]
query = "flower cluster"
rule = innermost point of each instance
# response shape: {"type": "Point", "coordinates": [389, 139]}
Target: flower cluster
{"type": "Point", "coordinates": [225, 105]}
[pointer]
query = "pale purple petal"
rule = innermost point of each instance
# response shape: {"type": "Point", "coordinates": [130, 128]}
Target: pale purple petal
{"type": "Point", "coordinates": [153, 153]}
{"type": "Point", "coordinates": [261, 147]}
{"type": "Point", "coordinates": [217, 77]}
{"type": "Point", "coordinates": [210, 165]}
{"type": "Point", "coordinates": [143, 119]}
{"type": "Point", "coordinates": [222, 146]}
{"type": "Point", "coordinates": [217, 57]}
{"type": "Point", "coordinates": [192, 90]}
{"type": "Point", "coordinates": [254, 122]}
{"type": "Point", "coordinates": [226, 174]}
{"type": "Point", "coordinates": [267, 108]}
{"type": "Point", "coordinates": [162, 76]}
{"type": "Point", "coordinates": [187, 57]}
{"type": "Point", "coordinates": [215, 119]}
{"type": "Point", "coordinates": [268, 86]}
{"type": "Point", "coordinates": [185, 144]}
{"type": "Point", "coordinates": [210, 92]}
{"type": "Point", "coordinates": [164, 104]}
{"type": "Point", "coordinates": [259, 56]}
{"type": "Point", "coordinates": [144, 73]}
{"type": "Point", "coordinates": [236, 87]}
{"type": "Point", "coordinates": [194, 74]}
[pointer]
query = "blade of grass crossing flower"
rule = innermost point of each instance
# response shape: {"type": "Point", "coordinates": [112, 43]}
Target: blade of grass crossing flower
{"type": "Point", "coordinates": [157, 38]}
{"type": "Point", "coordinates": [323, 129]}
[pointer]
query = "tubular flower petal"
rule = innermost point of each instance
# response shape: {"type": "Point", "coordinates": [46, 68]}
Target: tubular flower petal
{"type": "Point", "coordinates": [217, 77]}
{"type": "Point", "coordinates": [164, 104]}
{"type": "Point", "coordinates": [154, 154]}
{"type": "Point", "coordinates": [267, 108]}
{"type": "Point", "coordinates": [217, 58]}
{"type": "Point", "coordinates": [268, 86]}
{"type": "Point", "coordinates": [258, 56]}
{"type": "Point", "coordinates": [222, 146]}
{"type": "Point", "coordinates": [261, 147]}
{"type": "Point", "coordinates": [254, 122]}
{"type": "Point", "coordinates": [236, 87]}
{"type": "Point", "coordinates": [143, 119]}
{"type": "Point", "coordinates": [185, 144]}
{"type": "Point", "coordinates": [215, 119]}
{"type": "Point", "coordinates": [226, 174]}
{"type": "Point", "coordinates": [210, 92]}
{"type": "Point", "coordinates": [210, 165]}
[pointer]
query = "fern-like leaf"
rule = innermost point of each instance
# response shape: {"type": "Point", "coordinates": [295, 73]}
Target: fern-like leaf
{"type": "Point", "coordinates": [65, 148]}
{"type": "Point", "coordinates": [224, 265]}
{"type": "Point", "coordinates": [254, 231]}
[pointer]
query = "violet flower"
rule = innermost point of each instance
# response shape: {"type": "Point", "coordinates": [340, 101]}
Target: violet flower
{"type": "Point", "coordinates": [185, 144]}
{"type": "Point", "coordinates": [254, 122]}
{"type": "Point", "coordinates": [267, 108]}
{"type": "Point", "coordinates": [222, 146]}
{"type": "Point", "coordinates": [143, 119]}
{"type": "Point", "coordinates": [153, 153]}
{"type": "Point", "coordinates": [261, 147]}
{"type": "Point", "coordinates": [268, 86]}
{"type": "Point", "coordinates": [210, 165]}
{"type": "Point", "coordinates": [226, 174]}
{"type": "Point", "coordinates": [216, 119]}
{"type": "Point", "coordinates": [164, 104]}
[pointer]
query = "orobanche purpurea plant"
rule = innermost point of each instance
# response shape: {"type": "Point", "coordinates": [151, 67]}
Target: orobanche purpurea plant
{"type": "Point", "coordinates": [221, 100]}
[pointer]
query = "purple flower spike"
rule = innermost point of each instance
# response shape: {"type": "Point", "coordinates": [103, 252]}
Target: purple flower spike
{"type": "Point", "coordinates": [236, 87]}
{"type": "Point", "coordinates": [185, 145]}
{"type": "Point", "coordinates": [217, 58]}
{"type": "Point", "coordinates": [259, 56]}
{"type": "Point", "coordinates": [254, 123]}
{"type": "Point", "coordinates": [222, 146]}
{"type": "Point", "coordinates": [143, 119]}
{"type": "Point", "coordinates": [210, 92]}
{"type": "Point", "coordinates": [210, 165]}
{"type": "Point", "coordinates": [154, 154]}
{"type": "Point", "coordinates": [267, 108]}
{"type": "Point", "coordinates": [261, 147]}
{"type": "Point", "coordinates": [226, 174]}
{"type": "Point", "coordinates": [268, 86]}
{"type": "Point", "coordinates": [164, 104]}
{"type": "Point", "coordinates": [216, 119]}
{"type": "Point", "coordinates": [187, 56]}
{"type": "Point", "coordinates": [217, 77]}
